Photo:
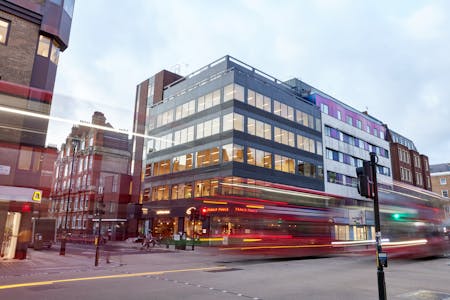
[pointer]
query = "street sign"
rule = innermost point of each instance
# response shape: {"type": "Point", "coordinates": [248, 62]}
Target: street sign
{"type": "Point", "coordinates": [37, 196]}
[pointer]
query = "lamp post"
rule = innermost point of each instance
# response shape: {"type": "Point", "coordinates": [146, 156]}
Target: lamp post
{"type": "Point", "coordinates": [62, 251]}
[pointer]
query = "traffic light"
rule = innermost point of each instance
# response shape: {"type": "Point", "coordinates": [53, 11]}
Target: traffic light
{"type": "Point", "coordinates": [203, 212]}
{"type": "Point", "coordinates": [365, 182]}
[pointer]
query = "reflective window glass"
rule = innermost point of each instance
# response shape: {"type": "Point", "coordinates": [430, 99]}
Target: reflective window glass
{"type": "Point", "coordinates": [54, 56]}
{"type": "Point", "coordinates": [44, 46]}
{"type": "Point", "coordinates": [4, 30]}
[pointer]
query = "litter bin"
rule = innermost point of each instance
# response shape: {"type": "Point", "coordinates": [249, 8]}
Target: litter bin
{"type": "Point", "coordinates": [180, 241]}
{"type": "Point", "coordinates": [38, 242]}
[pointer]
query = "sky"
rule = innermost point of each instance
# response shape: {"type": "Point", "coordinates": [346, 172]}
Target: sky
{"type": "Point", "coordinates": [388, 57]}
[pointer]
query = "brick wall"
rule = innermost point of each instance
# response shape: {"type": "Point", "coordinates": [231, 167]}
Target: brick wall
{"type": "Point", "coordinates": [17, 56]}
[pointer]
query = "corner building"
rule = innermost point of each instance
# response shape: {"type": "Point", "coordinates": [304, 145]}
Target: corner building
{"type": "Point", "coordinates": [216, 133]}
{"type": "Point", "coordinates": [32, 35]}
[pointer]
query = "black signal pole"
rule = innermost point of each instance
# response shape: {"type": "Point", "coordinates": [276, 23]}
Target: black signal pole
{"type": "Point", "coordinates": [100, 212]}
{"type": "Point", "coordinates": [62, 250]}
{"type": "Point", "coordinates": [376, 211]}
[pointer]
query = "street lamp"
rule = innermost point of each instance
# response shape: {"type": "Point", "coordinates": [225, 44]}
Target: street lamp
{"type": "Point", "coordinates": [62, 251]}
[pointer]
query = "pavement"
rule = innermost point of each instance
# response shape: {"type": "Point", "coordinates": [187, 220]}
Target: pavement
{"type": "Point", "coordinates": [80, 258]}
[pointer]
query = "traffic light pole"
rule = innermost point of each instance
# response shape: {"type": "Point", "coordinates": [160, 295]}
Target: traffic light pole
{"type": "Point", "coordinates": [99, 234]}
{"type": "Point", "coordinates": [376, 211]}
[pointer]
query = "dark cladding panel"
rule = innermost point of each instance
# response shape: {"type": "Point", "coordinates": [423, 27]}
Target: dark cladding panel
{"type": "Point", "coordinates": [163, 79]}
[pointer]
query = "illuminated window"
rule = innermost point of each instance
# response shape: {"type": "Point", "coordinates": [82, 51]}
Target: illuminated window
{"type": "Point", "coordinates": [4, 31]}
{"type": "Point", "coordinates": [284, 164]}
{"type": "Point", "coordinates": [232, 152]}
{"type": "Point", "coordinates": [207, 157]}
{"type": "Point", "coordinates": [44, 46]}
{"type": "Point", "coordinates": [251, 154]}
{"type": "Point", "coordinates": [161, 167]}
{"type": "Point", "coordinates": [233, 91]}
{"type": "Point", "coordinates": [259, 101]}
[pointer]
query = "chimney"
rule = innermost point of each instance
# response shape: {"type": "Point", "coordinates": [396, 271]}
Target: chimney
{"type": "Point", "coordinates": [98, 118]}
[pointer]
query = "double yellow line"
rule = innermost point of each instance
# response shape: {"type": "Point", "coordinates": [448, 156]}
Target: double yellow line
{"type": "Point", "coordinates": [49, 282]}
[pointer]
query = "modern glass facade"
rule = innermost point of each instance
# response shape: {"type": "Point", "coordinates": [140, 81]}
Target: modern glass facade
{"type": "Point", "coordinates": [227, 121]}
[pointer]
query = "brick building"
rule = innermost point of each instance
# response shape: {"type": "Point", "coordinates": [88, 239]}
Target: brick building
{"type": "Point", "coordinates": [32, 34]}
{"type": "Point", "coordinates": [408, 165]}
{"type": "Point", "coordinates": [93, 157]}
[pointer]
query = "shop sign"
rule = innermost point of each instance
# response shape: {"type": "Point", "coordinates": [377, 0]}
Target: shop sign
{"type": "Point", "coordinates": [216, 209]}
{"type": "Point", "coordinates": [190, 210]}
{"type": "Point", "coordinates": [246, 210]}
{"type": "Point", "coordinates": [163, 212]}
{"type": "Point", "coordinates": [37, 195]}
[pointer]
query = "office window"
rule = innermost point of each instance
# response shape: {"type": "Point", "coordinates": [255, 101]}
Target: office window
{"type": "Point", "coordinates": [368, 128]}
{"type": "Point", "coordinates": [359, 124]}
{"type": "Point", "coordinates": [443, 181]}
{"type": "Point", "coordinates": [232, 152]}
{"type": "Point", "coordinates": [4, 31]}
{"type": "Point", "coordinates": [233, 91]}
{"type": "Point", "coordinates": [349, 120]}
{"type": "Point", "coordinates": [284, 164]}
{"type": "Point", "coordinates": [306, 144]}
{"type": "Point", "coordinates": [251, 156]}
{"type": "Point", "coordinates": [233, 121]}
{"type": "Point", "coordinates": [306, 169]}
{"type": "Point", "coordinates": [207, 157]}
{"type": "Point", "coordinates": [182, 163]}
{"type": "Point", "coordinates": [375, 132]}
{"type": "Point", "coordinates": [161, 167]}
{"type": "Point", "coordinates": [44, 46]}
{"type": "Point", "coordinates": [324, 108]}
{"type": "Point", "coordinates": [258, 100]}
{"type": "Point", "coordinates": [339, 115]}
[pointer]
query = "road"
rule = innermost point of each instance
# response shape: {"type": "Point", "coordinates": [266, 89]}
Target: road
{"type": "Point", "coordinates": [208, 274]}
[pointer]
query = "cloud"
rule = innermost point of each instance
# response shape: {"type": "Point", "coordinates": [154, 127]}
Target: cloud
{"type": "Point", "coordinates": [391, 57]}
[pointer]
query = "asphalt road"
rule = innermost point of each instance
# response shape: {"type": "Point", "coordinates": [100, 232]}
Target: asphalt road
{"type": "Point", "coordinates": [208, 274]}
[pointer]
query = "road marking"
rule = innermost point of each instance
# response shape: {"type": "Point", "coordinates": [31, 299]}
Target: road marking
{"type": "Point", "coordinates": [49, 282]}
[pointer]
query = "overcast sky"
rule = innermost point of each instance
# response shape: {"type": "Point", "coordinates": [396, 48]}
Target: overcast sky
{"type": "Point", "coordinates": [390, 57]}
